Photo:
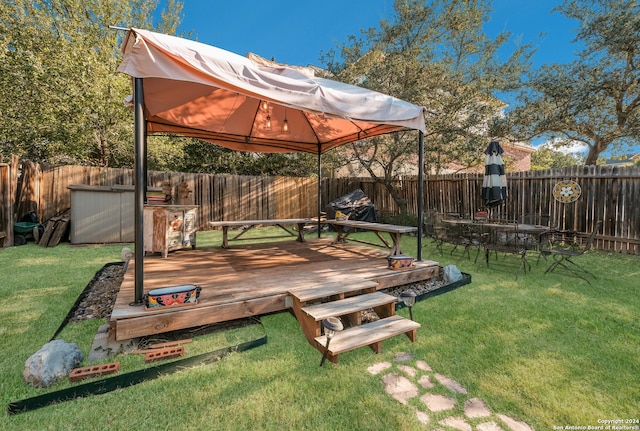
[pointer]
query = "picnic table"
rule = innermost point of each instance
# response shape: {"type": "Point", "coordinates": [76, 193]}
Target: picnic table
{"type": "Point", "coordinates": [395, 232]}
{"type": "Point", "coordinates": [247, 225]}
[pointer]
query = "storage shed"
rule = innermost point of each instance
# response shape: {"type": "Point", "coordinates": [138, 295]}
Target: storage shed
{"type": "Point", "coordinates": [102, 214]}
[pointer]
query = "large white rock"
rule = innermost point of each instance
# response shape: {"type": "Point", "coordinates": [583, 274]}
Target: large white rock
{"type": "Point", "coordinates": [52, 363]}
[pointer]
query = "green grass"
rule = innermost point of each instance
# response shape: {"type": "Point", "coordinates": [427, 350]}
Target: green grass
{"type": "Point", "coordinates": [549, 350]}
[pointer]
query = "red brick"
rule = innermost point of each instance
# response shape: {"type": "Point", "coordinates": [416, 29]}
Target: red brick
{"type": "Point", "coordinates": [78, 374]}
{"type": "Point", "coordinates": [166, 353]}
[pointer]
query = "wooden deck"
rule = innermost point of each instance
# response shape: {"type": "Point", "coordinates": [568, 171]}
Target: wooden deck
{"type": "Point", "coordinates": [249, 280]}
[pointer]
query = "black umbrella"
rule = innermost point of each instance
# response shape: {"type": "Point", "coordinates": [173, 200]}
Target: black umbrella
{"type": "Point", "coordinates": [494, 184]}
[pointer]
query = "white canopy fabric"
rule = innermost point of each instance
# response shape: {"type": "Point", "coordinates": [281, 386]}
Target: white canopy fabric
{"type": "Point", "coordinates": [201, 91]}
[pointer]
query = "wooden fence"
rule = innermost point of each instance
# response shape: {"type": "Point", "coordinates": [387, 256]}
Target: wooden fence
{"type": "Point", "coordinates": [610, 194]}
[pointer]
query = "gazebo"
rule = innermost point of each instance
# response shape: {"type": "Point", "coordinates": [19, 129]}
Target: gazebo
{"type": "Point", "coordinates": [185, 87]}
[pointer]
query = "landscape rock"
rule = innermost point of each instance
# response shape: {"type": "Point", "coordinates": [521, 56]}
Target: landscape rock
{"type": "Point", "coordinates": [52, 363]}
{"type": "Point", "coordinates": [422, 417]}
{"type": "Point", "coordinates": [457, 423]}
{"type": "Point", "coordinates": [399, 387]}
{"type": "Point", "coordinates": [489, 426]}
{"type": "Point", "coordinates": [410, 371]}
{"type": "Point", "coordinates": [476, 408]}
{"type": "Point", "coordinates": [514, 424]}
{"type": "Point", "coordinates": [438, 403]}
{"type": "Point", "coordinates": [451, 384]}
{"type": "Point", "coordinates": [379, 367]}
{"type": "Point", "coordinates": [403, 357]}
{"type": "Point", "coordinates": [423, 366]}
{"type": "Point", "coordinates": [451, 274]}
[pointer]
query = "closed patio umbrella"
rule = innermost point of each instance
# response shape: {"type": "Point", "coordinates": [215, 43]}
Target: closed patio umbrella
{"type": "Point", "coordinates": [494, 184]}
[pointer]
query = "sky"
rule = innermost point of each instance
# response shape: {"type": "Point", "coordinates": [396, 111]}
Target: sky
{"type": "Point", "coordinates": [298, 32]}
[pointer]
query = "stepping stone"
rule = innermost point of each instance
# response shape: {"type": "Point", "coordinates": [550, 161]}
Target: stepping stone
{"type": "Point", "coordinates": [422, 365]}
{"type": "Point", "coordinates": [476, 408]}
{"type": "Point", "coordinates": [438, 403]}
{"type": "Point", "coordinates": [457, 423]}
{"type": "Point", "coordinates": [451, 384]}
{"type": "Point", "coordinates": [403, 357]}
{"type": "Point", "coordinates": [410, 371]}
{"type": "Point", "coordinates": [513, 424]}
{"type": "Point", "coordinates": [426, 382]}
{"type": "Point", "coordinates": [422, 417]}
{"type": "Point", "coordinates": [489, 426]}
{"type": "Point", "coordinates": [399, 387]}
{"type": "Point", "coordinates": [379, 367]}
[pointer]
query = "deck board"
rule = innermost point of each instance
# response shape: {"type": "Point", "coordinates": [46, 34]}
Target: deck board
{"type": "Point", "coordinates": [247, 280]}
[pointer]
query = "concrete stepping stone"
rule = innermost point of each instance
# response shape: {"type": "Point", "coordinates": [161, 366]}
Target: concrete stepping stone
{"type": "Point", "coordinates": [403, 357]}
{"type": "Point", "coordinates": [378, 368]}
{"type": "Point", "coordinates": [422, 365]}
{"type": "Point", "coordinates": [399, 387]}
{"type": "Point", "coordinates": [422, 417]}
{"type": "Point", "coordinates": [426, 382]}
{"type": "Point", "coordinates": [513, 424]}
{"type": "Point", "coordinates": [457, 423]}
{"type": "Point", "coordinates": [410, 371]}
{"type": "Point", "coordinates": [451, 384]}
{"type": "Point", "coordinates": [438, 403]}
{"type": "Point", "coordinates": [476, 408]}
{"type": "Point", "coordinates": [488, 426]}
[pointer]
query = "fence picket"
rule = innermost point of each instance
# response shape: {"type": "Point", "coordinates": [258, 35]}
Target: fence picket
{"type": "Point", "coordinates": [608, 193]}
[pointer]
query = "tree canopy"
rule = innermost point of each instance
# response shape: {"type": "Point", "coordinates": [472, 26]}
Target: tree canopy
{"type": "Point", "coordinates": [62, 95]}
{"type": "Point", "coordinates": [434, 54]}
{"type": "Point", "coordinates": [595, 99]}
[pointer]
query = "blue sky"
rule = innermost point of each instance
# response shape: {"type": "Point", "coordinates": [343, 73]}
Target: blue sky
{"type": "Point", "coordinates": [297, 32]}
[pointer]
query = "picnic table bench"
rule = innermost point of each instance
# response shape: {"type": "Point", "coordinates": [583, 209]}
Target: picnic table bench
{"type": "Point", "coordinates": [247, 225]}
{"type": "Point", "coordinates": [395, 232]}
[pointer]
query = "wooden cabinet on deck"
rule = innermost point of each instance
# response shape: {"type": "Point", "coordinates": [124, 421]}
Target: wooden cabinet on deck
{"type": "Point", "coordinates": [169, 227]}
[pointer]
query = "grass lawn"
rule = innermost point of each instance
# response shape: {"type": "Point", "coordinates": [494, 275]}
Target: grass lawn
{"type": "Point", "coordinates": [549, 350]}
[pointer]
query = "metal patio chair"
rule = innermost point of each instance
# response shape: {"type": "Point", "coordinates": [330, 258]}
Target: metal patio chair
{"type": "Point", "coordinates": [563, 254]}
{"type": "Point", "coordinates": [432, 223]}
{"type": "Point", "coordinates": [504, 237]}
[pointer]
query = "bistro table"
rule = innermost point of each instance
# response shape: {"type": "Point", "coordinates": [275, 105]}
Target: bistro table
{"type": "Point", "coordinates": [518, 238]}
{"type": "Point", "coordinates": [533, 230]}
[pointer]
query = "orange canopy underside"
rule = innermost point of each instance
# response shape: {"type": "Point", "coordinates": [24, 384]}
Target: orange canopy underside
{"type": "Point", "coordinates": [200, 91]}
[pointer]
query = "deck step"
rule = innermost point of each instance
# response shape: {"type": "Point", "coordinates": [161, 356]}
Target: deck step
{"type": "Point", "coordinates": [332, 289]}
{"type": "Point", "coordinates": [348, 305]}
{"type": "Point", "coordinates": [369, 334]}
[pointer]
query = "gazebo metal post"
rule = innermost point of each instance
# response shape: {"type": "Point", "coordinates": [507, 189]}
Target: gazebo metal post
{"type": "Point", "coordinates": [319, 189]}
{"type": "Point", "coordinates": [420, 193]}
{"type": "Point", "coordinates": [140, 187]}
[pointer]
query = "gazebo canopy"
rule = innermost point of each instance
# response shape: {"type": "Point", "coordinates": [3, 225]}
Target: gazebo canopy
{"type": "Point", "coordinates": [201, 91]}
{"type": "Point", "coordinates": [192, 89]}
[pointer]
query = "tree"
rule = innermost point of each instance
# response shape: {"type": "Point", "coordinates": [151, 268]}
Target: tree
{"type": "Point", "coordinates": [595, 99]}
{"type": "Point", "coordinates": [202, 156]}
{"type": "Point", "coordinates": [62, 98]}
{"type": "Point", "coordinates": [435, 54]}
{"type": "Point", "coordinates": [546, 157]}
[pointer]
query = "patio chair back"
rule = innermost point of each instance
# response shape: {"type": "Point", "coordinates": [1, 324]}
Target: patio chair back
{"type": "Point", "coordinates": [563, 257]}
{"type": "Point", "coordinates": [592, 237]}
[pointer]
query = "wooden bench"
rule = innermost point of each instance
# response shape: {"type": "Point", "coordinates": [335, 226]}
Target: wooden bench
{"type": "Point", "coordinates": [247, 225]}
{"type": "Point", "coordinates": [394, 231]}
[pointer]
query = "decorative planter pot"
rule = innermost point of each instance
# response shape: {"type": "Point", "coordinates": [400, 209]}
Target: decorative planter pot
{"type": "Point", "coordinates": [400, 261]}
{"type": "Point", "coordinates": [184, 294]}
